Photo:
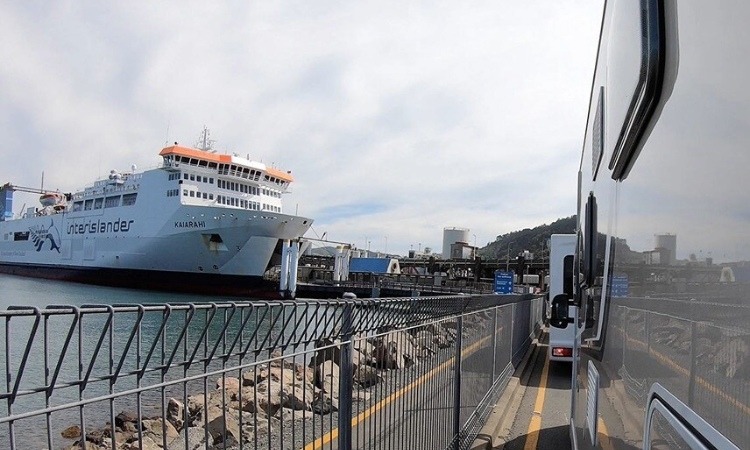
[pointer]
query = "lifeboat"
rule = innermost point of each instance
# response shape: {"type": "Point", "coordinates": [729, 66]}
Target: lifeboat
{"type": "Point", "coordinates": [53, 199]}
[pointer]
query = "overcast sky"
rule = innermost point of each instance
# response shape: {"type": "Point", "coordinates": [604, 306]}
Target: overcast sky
{"type": "Point", "coordinates": [397, 119]}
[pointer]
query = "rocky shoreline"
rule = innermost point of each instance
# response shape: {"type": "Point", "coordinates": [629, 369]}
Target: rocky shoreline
{"type": "Point", "coordinates": [268, 397]}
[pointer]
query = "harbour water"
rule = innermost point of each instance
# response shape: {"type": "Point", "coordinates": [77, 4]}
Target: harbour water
{"type": "Point", "coordinates": [61, 344]}
{"type": "Point", "coordinates": [23, 291]}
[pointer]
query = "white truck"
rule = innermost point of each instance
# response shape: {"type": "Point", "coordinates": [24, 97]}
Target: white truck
{"type": "Point", "coordinates": [561, 330]}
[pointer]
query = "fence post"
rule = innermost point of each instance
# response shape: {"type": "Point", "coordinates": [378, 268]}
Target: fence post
{"type": "Point", "coordinates": [457, 384]}
{"type": "Point", "coordinates": [693, 363]}
{"type": "Point", "coordinates": [345, 381]}
{"type": "Point", "coordinates": [494, 344]}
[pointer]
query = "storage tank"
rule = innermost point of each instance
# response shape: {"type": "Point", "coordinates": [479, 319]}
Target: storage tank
{"type": "Point", "coordinates": [451, 235]}
{"type": "Point", "coordinates": [667, 242]}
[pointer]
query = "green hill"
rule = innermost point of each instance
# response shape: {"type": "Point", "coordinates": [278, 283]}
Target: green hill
{"type": "Point", "coordinates": [531, 239]}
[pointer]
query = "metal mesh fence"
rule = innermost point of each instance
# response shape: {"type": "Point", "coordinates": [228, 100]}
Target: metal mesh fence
{"type": "Point", "coordinates": [698, 361]}
{"type": "Point", "coordinates": [386, 373]}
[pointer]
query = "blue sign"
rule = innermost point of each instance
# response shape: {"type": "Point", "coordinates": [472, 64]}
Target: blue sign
{"type": "Point", "coordinates": [620, 286]}
{"type": "Point", "coordinates": [503, 282]}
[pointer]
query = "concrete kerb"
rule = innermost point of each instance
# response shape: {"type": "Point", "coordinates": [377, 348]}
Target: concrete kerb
{"type": "Point", "coordinates": [496, 429]}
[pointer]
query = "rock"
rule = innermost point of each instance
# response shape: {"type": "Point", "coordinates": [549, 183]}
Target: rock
{"type": "Point", "coordinates": [156, 429]}
{"type": "Point", "coordinates": [731, 356]}
{"type": "Point", "coordinates": [389, 355]}
{"type": "Point", "coordinates": [97, 436]}
{"type": "Point", "coordinates": [366, 376]}
{"type": "Point", "coordinates": [361, 395]}
{"type": "Point", "coordinates": [363, 346]}
{"type": "Point", "coordinates": [255, 425]}
{"type": "Point", "coordinates": [327, 377]}
{"type": "Point", "coordinates": [125, 417]}
{"type": "Point", "coordinates": [297, 396]}
{"type": "Point", "coordinates": [176, 413]}
{"type": "Point", "coordinates": [195, 404]}
{"type": "Point", "coordinates": [122, 437]}
{"type": "Point", "coordinates": [254, 376]}
{"type": "Point", "coordinates": [324, 404]}
{"type": "Point", "coordinates": [146, 443]}
{"type": "Point", "coordinates": [225, 428]}
{"type": "Point", "coordinates": [288, 415]}
{"type": "Point", "coordinates": [72, 432]}
{"type": "Point", "coordinates": [326, 354]}
{"type": "Point", "coordinates": [85, 446]}
{"type": "Point", "coordinates": [268, 397]}
{"type": "Point", "coordinates": [228, 383]}
{"type": "Point", "coordinates": [285, 376]}
{"type": "Point", "coordinates": [424, 338]}
{"type": "Point", "coordinates": [196, 440]}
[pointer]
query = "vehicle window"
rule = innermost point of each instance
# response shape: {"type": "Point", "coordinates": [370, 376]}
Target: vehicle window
{"type": "Point", "coordinates": [635, 76]}
{"type": "Point", "coordinates": [568, 275]}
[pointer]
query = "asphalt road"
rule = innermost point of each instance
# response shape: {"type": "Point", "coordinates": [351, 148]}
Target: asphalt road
{"type": "Point", "coordinates": [542, 419]}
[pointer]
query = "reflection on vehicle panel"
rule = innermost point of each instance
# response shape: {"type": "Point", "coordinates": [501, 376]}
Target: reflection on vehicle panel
{"type": "Point", "coordinates": [663, 259]}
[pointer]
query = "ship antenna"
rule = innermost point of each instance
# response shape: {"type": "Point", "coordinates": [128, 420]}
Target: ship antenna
{"type": "Point", "coordinates": [166, 140]}
{"type": "Point", "coordinates": [205, 142]}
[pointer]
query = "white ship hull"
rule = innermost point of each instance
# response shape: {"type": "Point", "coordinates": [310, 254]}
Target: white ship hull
{"type": "Point", "coordinates": [97, 248]}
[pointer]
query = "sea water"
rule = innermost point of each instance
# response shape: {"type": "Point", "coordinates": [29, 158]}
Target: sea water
{"type": "Point", "coordinates": [41, 293]}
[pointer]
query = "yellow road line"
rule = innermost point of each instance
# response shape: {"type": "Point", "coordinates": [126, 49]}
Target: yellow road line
{"type": "Point", "coordinates": [333, 434]}
{"type": "Point", "coordinates": [604, 441]}
{"type": "Point", "coordinates": [532, 433]}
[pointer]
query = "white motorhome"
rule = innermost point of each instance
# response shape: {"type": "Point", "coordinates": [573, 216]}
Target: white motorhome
{"type": "Point", "coordinates": [662, 356]}
{"type": "Point", "coordinates": [561, 331]}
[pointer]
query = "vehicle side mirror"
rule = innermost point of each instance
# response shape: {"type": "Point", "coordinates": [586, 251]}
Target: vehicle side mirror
{"type": "Point", "coordinates": [559, 311]}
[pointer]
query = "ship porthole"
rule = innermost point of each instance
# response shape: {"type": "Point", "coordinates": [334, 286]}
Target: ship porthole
{"type": "Point", "coordinates": [200, 268]}
{"type": "Point", "coordinates": [216, 267]}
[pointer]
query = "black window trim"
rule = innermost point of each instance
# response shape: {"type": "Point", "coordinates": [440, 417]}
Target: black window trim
{"type": "Point", "coordinates": [648, 91]}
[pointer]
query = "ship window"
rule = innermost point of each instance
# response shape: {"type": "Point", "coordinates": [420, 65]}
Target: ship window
{"type": "Point", "coordinates": [205, 196]}
{"type": "Point", "coordinates": [185, 192]}
{"type": "Point", "coordinates": [89, 204]}
{"type": "Point", "coordinates": [202, 163]}
{"type": "Point", "coordinates": [192, 193]}
{"type": "Point", "coordinates": [193, 162]}
{"type": "Point", "coordinates": [21, 236]}
{"type": "Point", "coordinates": [211, 180]}
{"type": "Point", "coordinates": [211, 165]}
{"type": "Point", "coordinates": [77, 206]}
{"type": "Point", "coordinates": [129, 199]}
{"type": "Point", "coordinates": [185, 176]}
{"type": "Point", "coordinates": [112, 202]}
{"type": "Point", "coordinates": [98, 203]}
{"type": "Point", "coordinates": [210, 196]}
{"type": "Point", "coordinates": [192, 177]}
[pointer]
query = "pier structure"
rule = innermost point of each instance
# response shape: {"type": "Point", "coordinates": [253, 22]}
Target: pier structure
{"type": "Point", "coordinates": [290, 252]}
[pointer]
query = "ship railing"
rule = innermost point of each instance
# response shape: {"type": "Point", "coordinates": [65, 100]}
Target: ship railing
{"type": "Point", "coordinates": [403, 373]}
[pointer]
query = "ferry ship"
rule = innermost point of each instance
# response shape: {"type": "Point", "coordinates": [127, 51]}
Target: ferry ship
{"type": "Point", "coordinates": [202, 222]}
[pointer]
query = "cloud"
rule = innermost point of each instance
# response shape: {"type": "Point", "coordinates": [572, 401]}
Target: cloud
{"type": "Point", "coordinates": [430, 114]}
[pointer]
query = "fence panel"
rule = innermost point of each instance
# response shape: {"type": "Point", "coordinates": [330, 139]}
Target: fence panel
{"type": "Point", "coordinates": [384, 373]}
